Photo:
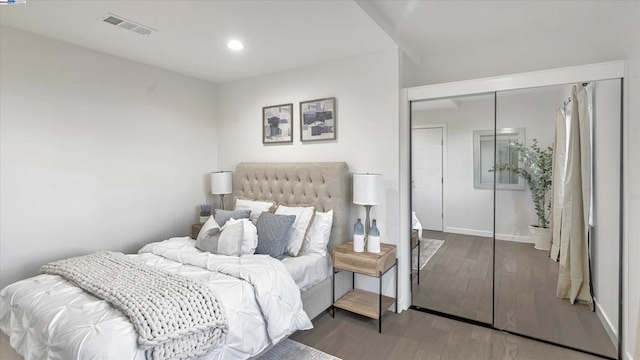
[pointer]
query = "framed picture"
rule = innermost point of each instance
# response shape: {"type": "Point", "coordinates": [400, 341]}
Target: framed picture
{"type": "Point", "coordinates": [277, 126]}
{"type": "Point", "coordinates": [318, 119]}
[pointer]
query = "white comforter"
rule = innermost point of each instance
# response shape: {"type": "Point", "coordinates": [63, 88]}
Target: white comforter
{"type": "Point", "coordinates": [48, 318]}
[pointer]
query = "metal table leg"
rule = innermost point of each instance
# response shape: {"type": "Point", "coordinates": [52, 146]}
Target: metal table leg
{"type": "Point", "coordinates": [333, 294]}
{"type": "Point", "coordinates": [396, 280]}
{"type": "Point", "coordinates": [380, 304]}
{"type": "Point", "coordinates": [419, 246]}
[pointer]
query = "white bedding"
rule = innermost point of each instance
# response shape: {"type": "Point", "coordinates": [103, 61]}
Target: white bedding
{"type": "Point", "coordinates": [415, 224]}
{"type": "Point", "coordinates": [308, 270]}
{"type": "Point", "coordinates": [48, 318]}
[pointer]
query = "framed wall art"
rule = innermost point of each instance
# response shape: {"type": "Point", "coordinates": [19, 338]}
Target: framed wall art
{"type": "Point", "coordinates": [277, 125]}
{"type": "Point", "coordinates": [318, 119]}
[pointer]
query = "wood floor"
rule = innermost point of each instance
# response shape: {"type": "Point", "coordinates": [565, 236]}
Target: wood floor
{"type": "Point", "coordinates": [417, 335]}
{"type": "Point", "coordinates": [462, 272]}
{"type": "Point", "coordinates": [526, 302]}
{"type": "Point", "coordinates": [458, 278]}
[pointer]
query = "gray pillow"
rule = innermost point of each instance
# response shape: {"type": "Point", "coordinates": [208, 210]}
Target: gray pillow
{"type": "Point", "coordinates": [225, 242]}
{"type": "Point", "coordinates": [222, 216]}
{"type": "Point", "coordinates": [272, 233]}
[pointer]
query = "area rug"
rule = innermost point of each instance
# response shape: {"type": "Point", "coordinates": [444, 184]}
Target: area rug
{"type": "Point", "coordinates": [428, 247]}
{"type": "Point", "coordinates": [288, 349]}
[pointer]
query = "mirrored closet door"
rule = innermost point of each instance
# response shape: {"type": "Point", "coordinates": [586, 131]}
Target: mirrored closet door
{"type": "Point", "coordinates": [557, 235]}
{"type": "Point", "coordinates": [452, 242]}
{"type": "Point", "coordinates": [516, 204]}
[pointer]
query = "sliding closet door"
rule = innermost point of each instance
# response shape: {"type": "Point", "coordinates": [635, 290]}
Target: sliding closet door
{"type": "Point", "coordinates": [557, 214]}
{"type": "Point", "coordinates": [452, 201]}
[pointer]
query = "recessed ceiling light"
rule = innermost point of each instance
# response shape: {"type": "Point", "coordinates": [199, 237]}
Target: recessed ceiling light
{"type": "Point", "coordinates": [235, 45]}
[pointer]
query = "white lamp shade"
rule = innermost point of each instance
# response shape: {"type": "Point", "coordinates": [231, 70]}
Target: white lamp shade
{"type": "Point", "coordinates": [221, 182]}
{"type": "Point", "coordinates": [367, 189]}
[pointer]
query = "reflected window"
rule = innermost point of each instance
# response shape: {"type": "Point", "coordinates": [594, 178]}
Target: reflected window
{"type": "Point", "coordinates": [503, 141]}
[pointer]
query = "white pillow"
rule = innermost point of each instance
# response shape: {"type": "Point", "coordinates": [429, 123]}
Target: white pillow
{"type": "Point", "coordinates": [230, 241]}
{"type": "Point", "coordinates": [318, 236]}
{"type": "Point", "coordinates": [304, 217]}
{"type": "Point", "coordinates": [249, 235]}
{"type": "Point", "coordinates": [255, 206]}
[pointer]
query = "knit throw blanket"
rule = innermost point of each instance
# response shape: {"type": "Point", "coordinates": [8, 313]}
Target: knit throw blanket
{"type": "Point", "coordinates": [176, 317]}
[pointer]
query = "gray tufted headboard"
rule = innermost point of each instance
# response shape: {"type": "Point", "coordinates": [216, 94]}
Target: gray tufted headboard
{"type": "Point", "coordinates": [323, 184]}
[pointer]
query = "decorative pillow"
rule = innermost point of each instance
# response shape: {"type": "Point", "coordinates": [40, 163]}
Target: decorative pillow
{"type": "Point", "coordinates": [318, 236]}
{"type": "Point", "coordinates": [256, 207]}
{"type": "Point", "coordinates": [222, 216]}
{"type": "Point", "coordinates": [209, 228]}
{"type": "Point", "coordinates": [272, 233]}
{"type": "Point", "coordinates": [304, 217]}
{"type": "Point", "coordinates": [225, 242]}
{"type": "Point", "coordinates": [249, 237]}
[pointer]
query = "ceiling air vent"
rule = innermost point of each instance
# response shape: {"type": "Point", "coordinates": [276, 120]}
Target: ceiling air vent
{"type": "Point", "coordinates": [126, 24]}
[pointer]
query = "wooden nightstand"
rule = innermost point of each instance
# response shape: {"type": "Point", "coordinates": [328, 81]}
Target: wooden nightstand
{"type": "Point", "coordinates": [359, 301]}
{"type": "Point", "coordinates": [195, 230]}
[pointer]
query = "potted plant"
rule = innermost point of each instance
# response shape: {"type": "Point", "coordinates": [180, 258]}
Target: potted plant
{"type": "Point", "coordinates": [536, 171]}
{"type": "Point", "coordinates": [205, 212]}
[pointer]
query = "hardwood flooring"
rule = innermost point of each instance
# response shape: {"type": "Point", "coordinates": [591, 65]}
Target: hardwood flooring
{"type": "Point", "coordinates": [458, 281]}
{"type": "Point", "coordinates": [417, 335]}
{"type": "Point", "coordinates": [526, 302]}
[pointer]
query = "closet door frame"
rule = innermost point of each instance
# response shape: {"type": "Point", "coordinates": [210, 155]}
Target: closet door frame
{"type": "Point", "coordinates": [560, 76]}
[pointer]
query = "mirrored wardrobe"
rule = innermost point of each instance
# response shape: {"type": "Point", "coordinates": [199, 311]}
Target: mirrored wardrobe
{"type": "Point", "coordinates": [516, 204]}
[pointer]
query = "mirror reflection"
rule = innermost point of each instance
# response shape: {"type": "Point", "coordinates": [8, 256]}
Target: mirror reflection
{"type": "Point", "coordinates": [549, 157]}
{"type": "Point", "coordinates": [556, 269]}
{"type": "Point", "coordinates": [453, 221]}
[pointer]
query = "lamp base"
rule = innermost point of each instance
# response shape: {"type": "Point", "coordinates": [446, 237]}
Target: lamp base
{"type": "Point", "coordinates": [222, 201]}
{"type": "Point", "coordinates": [367, 224]}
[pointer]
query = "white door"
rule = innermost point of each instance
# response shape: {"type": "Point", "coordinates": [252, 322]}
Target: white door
{"type": "Point", "coordinates": [427, 180]}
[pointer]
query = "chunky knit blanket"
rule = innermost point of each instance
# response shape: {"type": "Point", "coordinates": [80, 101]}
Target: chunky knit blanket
{"type": "Point", "coordinates": [176, 317]}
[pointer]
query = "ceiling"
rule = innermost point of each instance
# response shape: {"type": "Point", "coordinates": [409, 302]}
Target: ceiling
{"type": "Point", "coordinates": [428, 28]}
{"type": "Point", "coordinates": [192, 35]}
{"type": "Point", "coordinates": [284, 34]}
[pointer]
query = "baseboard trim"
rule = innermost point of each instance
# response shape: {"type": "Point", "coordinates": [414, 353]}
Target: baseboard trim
{"type": "Point", "coordinates": [483, 233]}
{"type": "Point", "coordinates": [606, 323]}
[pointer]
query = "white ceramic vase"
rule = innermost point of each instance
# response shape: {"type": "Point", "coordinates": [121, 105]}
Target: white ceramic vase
{"type": "Point", "coordinates": [373, 244]}
{"type": "Point", "coordinates": [358, 243]}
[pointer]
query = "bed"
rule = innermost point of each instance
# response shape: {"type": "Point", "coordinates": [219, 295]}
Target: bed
{"type": "Point", "coordinates": [47, 317]}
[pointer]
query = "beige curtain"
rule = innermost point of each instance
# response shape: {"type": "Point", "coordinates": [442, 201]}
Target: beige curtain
{"type": "Point", "coordinates": [557, 182]}
{"type": "Point", "coordinates": [573, 279]}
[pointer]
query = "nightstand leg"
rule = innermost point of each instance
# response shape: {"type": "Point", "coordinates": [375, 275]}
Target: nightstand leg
{"type": "Point", "coordinates": [333, 295]}
{"type": "Point", "coordinates": [396, 280]}
{"type": "Point", "coordinates": [380, 304]}
{"type": "Point", "coordinates": [419, 246]}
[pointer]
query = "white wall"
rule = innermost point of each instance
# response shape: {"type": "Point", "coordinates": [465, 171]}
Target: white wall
{"type": "Point", "coordinates": [96, 152]}
{"type": "Point", "coordinates": [631, 168]}
{"type": "Point", "coordinates": [466, 209]}
{"type": "Point", "coordinates": [534, 110]}
{"type": "Point", "coordinates": [606, 205]}
{"type": "Point", "coordinates": [366, 88]}
{"type": "Point", "coordinates": [470, 210]}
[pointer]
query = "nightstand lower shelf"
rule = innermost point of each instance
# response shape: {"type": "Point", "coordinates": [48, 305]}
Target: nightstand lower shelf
{"type": "Point", "coordinates": [364, 303]}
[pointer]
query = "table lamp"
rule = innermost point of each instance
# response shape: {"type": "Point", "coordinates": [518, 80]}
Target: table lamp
{"type": "Point", "coordinates": [367, 191]}
{"type": "Point", "coordinates": [221, 184]}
